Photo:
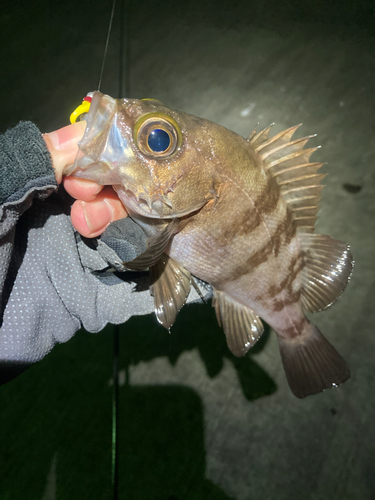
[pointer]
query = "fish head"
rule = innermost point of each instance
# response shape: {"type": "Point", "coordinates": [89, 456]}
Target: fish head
{"type": "Point", "coordinates": [160, 161]}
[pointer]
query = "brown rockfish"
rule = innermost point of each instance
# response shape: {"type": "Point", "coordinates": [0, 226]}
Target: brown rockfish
{"type": "Point", "coordinates": [237, 213]}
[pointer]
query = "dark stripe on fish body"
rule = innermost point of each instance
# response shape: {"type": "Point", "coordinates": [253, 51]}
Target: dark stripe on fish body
{"type": "Point", "coordinates": [243, 225]}
{"type": "Point", "coordinates": [254, 261]}
{"type": "Point", "coordinates": [295, 266]}
{"type": "Point", "coordinates": [292, 296]}
{"type": "Point", "coordinates": [284, 233]}
{"type": "Point", "coordinates": [267, 201]}
{"type": "Point", "coordinates": [251, 218]}
{"type": "Point", "coordinates": [295, 329]}
{"type": "Point", "coordinates": [289, 230]}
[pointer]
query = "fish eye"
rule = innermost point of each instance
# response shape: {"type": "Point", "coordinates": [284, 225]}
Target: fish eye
{"type": "Point", "coordinates": [158, 140]}
{"type": "Point", "coordinates": [157, 135]}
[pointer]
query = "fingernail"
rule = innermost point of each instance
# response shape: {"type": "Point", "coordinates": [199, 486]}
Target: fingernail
{"type": "Point", "coordinates": [98, 215]}
{"type": "Point", "coordinates": [54, 138]}
{"type": "Point", "coordinates": [91, 185]}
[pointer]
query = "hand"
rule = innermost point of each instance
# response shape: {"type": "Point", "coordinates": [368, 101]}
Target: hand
{"type": "Point", "coordinates": [96, 206]}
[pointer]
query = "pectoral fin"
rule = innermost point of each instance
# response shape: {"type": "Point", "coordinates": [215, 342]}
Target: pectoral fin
{"type": "Point", "coordinates": [155, 247]}
{"type": "Point", "coordinates": [241, 325]}
{"type": "Point", "coordinates": [170, 288]}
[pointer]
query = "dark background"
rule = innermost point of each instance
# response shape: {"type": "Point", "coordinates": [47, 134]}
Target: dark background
{"type": "Point", "coordinates": [196, 423]}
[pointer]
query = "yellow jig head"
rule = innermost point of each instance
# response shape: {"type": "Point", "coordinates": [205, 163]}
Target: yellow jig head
{"type": "Point", "coordinates": [82, 108]}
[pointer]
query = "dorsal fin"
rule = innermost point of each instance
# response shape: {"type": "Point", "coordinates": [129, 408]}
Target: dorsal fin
{"type": "Point", "coordinates": [288, 162]}
{"type": "Point", "coordinates": [256, 138]}
{"type": "Point", "coordinates": [277, 140]}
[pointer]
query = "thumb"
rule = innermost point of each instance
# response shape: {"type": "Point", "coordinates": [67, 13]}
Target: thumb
{"type": "Point", "coordinates": [63, 146]}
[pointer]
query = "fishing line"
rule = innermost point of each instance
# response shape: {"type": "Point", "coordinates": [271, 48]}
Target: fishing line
{"type": "Point", "coordinates": [123, 89]}
{"type": "Point", "coordinates": [106, 43]}
{"type": "Point", "coordinates": [124, 79]}
{"type": "Point", "coordinates": [115, 412]}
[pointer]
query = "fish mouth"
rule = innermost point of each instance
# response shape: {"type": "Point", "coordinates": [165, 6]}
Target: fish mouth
{"type": "Point", "coordinates": [159, 208]}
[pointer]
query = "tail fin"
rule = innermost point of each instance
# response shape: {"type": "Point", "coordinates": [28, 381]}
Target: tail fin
{"type": "Point", "coordinates": [311, 363]}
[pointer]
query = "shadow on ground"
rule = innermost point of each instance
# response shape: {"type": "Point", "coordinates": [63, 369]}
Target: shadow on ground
{"type": "Point", "coordinates": [195, 327]}
{"type": "Point", "coordinates": [55, 435]}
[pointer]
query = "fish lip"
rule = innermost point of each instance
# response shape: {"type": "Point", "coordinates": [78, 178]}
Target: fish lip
{"type": "Point", "coordinates": [142, 207]}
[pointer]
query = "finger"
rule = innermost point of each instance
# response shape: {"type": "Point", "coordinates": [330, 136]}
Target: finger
{"type": "Point", "coordinates": [81, 189]}
{"type": "Point", "coordinates": [63, 146]}
{"type": "Point", "coordinates": [91, 218]}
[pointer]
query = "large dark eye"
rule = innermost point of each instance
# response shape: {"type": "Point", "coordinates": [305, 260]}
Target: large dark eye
{"type": "Point", "coordinates": [157, 135]}
{"type": "Point", "coordinates": [159, 140]}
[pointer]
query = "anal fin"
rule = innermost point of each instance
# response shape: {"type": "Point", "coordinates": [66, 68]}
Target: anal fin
{"type": "Point", "coordinates": [241, 325]}
{"type": "Point", "coordinates": [170, 288]}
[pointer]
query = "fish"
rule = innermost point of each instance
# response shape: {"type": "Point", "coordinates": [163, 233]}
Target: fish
{"type": "Point", "coordinates": [237, 213]}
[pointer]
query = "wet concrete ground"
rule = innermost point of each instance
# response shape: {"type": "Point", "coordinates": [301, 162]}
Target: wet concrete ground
{"type": "Point", "coordinates": [195, 421]}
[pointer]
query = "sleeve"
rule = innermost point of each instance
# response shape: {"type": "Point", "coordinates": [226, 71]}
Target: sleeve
{"type": "Point", "coordinates": [25, 164]}
{"type": "Point", "coordinates": [26, 173]}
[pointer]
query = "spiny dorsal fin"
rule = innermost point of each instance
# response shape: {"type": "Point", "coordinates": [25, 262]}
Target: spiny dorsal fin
{"type": "Point", "coordinates": [327, 269]}
{"type": "Point", "coordinates": [288, 163]}
{"type": "Point", "coordinates": [256, 138]}
{"type": "Point", "coordinates": [170, 288]}
{"type": "Point", "coordinates": [241, 325]}
{"type": "Point", "coordinates": [277, 140]}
